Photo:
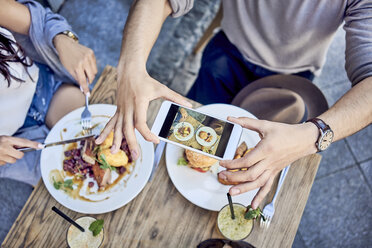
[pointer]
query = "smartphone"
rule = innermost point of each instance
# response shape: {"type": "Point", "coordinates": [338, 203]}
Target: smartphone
{"type": "Point", "coordinates": [197, 131]}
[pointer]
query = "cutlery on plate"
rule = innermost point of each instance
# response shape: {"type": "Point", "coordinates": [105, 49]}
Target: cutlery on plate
{"type": "Point", "coordinates": [269, 209]}
{"type": "Point", "coordinates": [158, 153]}
{"type": "Point", "coordinates": [63, 142]}
{"type": "Point", "coordinates": [86, 116]}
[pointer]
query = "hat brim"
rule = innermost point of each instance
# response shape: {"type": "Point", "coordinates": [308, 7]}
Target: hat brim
{"type": "Point", "coordinates": [314, 99]}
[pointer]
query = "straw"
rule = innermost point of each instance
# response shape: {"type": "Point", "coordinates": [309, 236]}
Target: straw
{"type": "Point", "coordinates": [231, 206]}
{"type": "Point", "coordinates": [68, 218]}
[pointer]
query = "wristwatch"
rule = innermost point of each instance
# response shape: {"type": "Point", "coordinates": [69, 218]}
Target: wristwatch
{"type": "Point", "coordinates": [325, 134]}
{"type": "Point", "coordinates": [71, 35]}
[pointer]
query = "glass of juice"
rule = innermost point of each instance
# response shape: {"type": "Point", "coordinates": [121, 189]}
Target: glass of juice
{"type": "Point", "coordinates": [77, 238]}
{"type": "Point", "coordinates": [234, 229]}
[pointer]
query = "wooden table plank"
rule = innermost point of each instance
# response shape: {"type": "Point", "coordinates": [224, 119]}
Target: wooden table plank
{"type": "Point", "coordinates": [160, 216]}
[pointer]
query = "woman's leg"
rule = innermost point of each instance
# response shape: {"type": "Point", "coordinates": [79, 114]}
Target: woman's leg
{"type": "Point", "coordinates": [67, 98]}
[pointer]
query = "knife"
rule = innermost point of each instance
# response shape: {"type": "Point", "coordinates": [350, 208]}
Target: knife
{"type": "Point", "coordinates": [158, 154]}
{"type": "Point", "coordinates": [63, 142]}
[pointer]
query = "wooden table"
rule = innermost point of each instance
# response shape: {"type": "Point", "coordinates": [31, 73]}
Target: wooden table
{"type": "Point", "coordinates": [160, 216]}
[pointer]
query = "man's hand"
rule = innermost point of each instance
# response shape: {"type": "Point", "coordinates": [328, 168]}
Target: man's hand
{"type": "Point", "coordinates": [8, 151]}
{"type": "Point", "coordinates": [133, 98]}
{"type": "Point", "coordinates": [280, 145]}
{"type": "Point", "coordinates": [78, 60]}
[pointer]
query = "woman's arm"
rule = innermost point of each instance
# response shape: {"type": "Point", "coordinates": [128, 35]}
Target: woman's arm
{"type": "Point", "coordinates": [8, 148]}
{"type": "Point", "coordinates": [14, 16]}
{"type": "Point", "coordinates": [77, 59]}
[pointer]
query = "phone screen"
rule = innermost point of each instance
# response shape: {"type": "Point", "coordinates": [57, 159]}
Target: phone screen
{"type": "Point", "coordinates": [196, 130]}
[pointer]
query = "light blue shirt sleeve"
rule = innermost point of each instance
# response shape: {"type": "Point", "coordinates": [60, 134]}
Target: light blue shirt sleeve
{"type": "Point", "coordinates": [45, 25]}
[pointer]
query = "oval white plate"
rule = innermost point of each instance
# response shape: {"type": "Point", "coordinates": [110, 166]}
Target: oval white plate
{"type": "Point", "coordinates": [180, 125]}
{"type": "Point", "coordinates": [203, 189]}
{"type": "Point", "coordinates": [52, 158]}
{"type": "Point", "coordinates": [208, 130]}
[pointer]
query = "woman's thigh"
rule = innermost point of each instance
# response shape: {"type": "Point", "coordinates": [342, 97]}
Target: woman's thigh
{"type": "Point", "coordinates": [67, 98]}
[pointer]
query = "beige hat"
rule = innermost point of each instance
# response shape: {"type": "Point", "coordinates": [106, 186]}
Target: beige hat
{"type": "Point", "coordinates": [282, 98]}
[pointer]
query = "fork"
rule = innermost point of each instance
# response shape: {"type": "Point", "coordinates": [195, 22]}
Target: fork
{"type": "Point", "coordinates": [86, 117]}
{"type": "Point", "coordinates": [268, 211]}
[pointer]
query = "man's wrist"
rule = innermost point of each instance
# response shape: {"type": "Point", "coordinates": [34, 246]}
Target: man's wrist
{"type": "Point", "coordinates": [131, 68]}
{"type": "Point", "coordinates": [311, 136]}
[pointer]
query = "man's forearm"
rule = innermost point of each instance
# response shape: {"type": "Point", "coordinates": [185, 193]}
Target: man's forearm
{"type": "Point", "coordinates": [142, 28]}
{"type": "Point", "coordinates": [352, 112]}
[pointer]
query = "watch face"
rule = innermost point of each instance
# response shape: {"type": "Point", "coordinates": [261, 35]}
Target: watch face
{"type": "Point", "coordinates": [325, 140]}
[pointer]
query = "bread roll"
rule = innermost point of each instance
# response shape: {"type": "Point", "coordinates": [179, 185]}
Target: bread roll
{"type": "Point", "coordinates": [198, 160]}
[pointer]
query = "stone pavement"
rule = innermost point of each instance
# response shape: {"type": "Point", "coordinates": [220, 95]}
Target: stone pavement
{"type": "Point", "coordinates": [338, 210]}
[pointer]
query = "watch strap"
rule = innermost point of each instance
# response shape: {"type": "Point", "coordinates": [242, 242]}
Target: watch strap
{"type": "Point", "coordinates": [70, 35]}
{"type": "Point", "coordinates": [322, 127]}
{"type": "Point", "coordinates": [319, 123]}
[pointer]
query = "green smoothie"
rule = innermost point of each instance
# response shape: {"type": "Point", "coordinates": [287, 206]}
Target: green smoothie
{"type": "Point", "coordinates": [234, 229]}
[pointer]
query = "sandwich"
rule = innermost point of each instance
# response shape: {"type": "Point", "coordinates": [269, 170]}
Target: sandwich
{"type": "Point", "coordinates": [197, 161]}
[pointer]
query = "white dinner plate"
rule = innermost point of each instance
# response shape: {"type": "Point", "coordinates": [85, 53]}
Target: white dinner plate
{"type": "Point", "coordinates": [203, 189]}
{"type": "Point", "coordinates": [123, 192]}
{"type": "Point", "coordinates": [181, 125]}
{"type": "Point", "coordinates": [207, 130]}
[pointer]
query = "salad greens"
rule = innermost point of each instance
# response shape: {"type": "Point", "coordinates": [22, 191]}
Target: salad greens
{"type": "Point", "coordinates": [251, 213]}
{"type": "Point", "coordinates": [182, 161]}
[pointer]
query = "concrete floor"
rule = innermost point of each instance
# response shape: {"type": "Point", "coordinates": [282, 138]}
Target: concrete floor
{"type": "Point", "coordinates": [338, 212]}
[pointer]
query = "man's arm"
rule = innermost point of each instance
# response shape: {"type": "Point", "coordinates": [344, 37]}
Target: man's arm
{"type": "Point", "coordinates": [352, 112]}
{"type": "Point", "coordinates": [283, 144]}
{"type": "Point", "coordinates": [135, 87]}
{"type": "Point", "coordinates": [141, 31]}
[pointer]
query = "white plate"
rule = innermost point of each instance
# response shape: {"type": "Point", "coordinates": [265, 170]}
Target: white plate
{"type": "Point", "coordinates": [122, 193]}
{"type": "Point", "coordinates": [207, 130]}
{"type": "Point", "coordinates": [180, 125]}
{"type": "Point", "coordinates": [203, 189]}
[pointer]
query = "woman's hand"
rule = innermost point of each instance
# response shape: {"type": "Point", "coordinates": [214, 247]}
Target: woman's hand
{"type": "Point", "coordinates": [280, 145]}
{"type": "Point", "coordinates": [133, 98]}
{"type": "Point", "coordinates": [78, 60]}
{"type": "Point", "coordinates": [9, 153]}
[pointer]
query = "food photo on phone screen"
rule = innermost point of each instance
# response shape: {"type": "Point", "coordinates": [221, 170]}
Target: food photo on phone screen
{"type": "Point", "coordinates": [197, 131]}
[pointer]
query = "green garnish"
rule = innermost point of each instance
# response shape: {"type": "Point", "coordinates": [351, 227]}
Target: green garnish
{"type": "Point", "coordinates": [104, 165]}
{"type": "Point", "coordinates": [182, 161]}
{"type": "Point", "coordinates": [97, 149]}
{"type": "Point", "coordinates": [67, 184]}
{"type": "Point", "coordinates": [251, 213]}
{"type": "Point", "coordinates": [57, 185]}
{"type": "Point", "coordinates": [96, 227]}
{"type": "Point", "coordinates": [207, 150]}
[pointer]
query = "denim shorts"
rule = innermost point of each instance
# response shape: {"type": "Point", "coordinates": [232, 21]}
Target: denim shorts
{"type": "Point", "coordinates": [45, 89]}
{"type": "Point", "coordinates": [27, 169]}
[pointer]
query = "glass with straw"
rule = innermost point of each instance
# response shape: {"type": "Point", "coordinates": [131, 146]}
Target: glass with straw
{"type": "Point", "coordinates": [231, 222]}
{"type": "Point", "coordinates": [79, 233]}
